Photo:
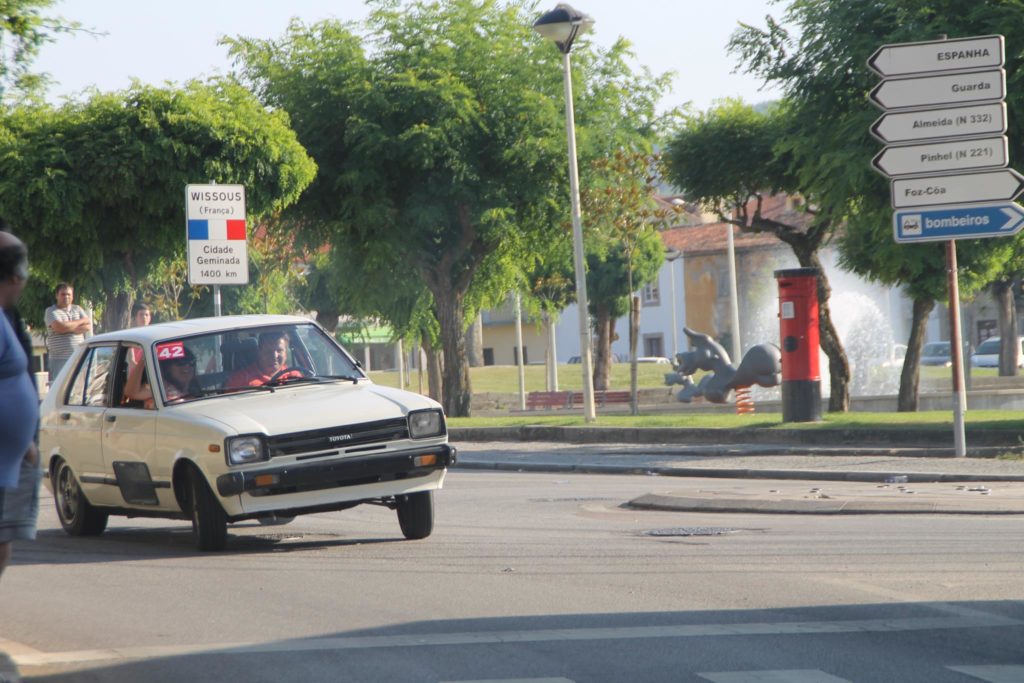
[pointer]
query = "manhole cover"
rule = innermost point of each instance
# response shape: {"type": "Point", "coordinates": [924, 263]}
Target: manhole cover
{"type": "Point", "coordinates": [692, 531]}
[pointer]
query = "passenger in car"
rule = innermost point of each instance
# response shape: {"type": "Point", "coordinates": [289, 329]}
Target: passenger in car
{"type": "Point", "coordinates": [271, 359]}
{"type": "Point", "coordinates": [179, 376]}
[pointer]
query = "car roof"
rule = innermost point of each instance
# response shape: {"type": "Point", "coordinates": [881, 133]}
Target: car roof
{"type": "Point", "coordinates": [193, 326]}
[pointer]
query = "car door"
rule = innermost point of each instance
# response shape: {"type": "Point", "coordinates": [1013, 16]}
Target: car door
{"type": "Point", "coordinates": [128, 439]}
{"type": "Point", "coordinates": [80, 423]}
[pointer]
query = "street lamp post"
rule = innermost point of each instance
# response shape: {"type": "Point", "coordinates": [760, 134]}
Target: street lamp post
{"type": "Point", "coordinates": [672, 256]}
{"type": "Point", "coordinates": [562, 25]}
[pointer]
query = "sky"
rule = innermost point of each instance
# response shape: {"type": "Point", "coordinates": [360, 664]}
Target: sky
{"type": "Point", "coordinates": [162, 40]}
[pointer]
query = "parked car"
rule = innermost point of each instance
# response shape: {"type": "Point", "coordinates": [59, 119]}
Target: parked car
{"type": "Point", "coordinates": [936, 353]}
{"type": "Point", "coordinates": [216, 437]}
{"type": "Point", "coordinates": [987, 354]}
{"type": "Point", "coordinates": [661, 360]}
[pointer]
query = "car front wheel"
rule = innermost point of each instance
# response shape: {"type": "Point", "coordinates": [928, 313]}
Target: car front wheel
{"type": "Point", "coordinates": [416, 514]}
{"type": "Point", "coordinates": [77, 515]}
{"type": "Point", "coordinates": [209, 522]}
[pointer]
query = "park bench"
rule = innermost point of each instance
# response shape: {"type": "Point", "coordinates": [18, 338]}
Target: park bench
{"type": "Point", "coordinates": [602, 398]}
{"type": "Point", "coordinates": [548, 399]}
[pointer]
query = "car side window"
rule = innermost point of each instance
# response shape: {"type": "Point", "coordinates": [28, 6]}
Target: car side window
{"type": "Point", "coordinates": [92, 379]}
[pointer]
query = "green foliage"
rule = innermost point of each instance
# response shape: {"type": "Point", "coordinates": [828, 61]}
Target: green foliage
{"type": "Point", "coordinates": [96, 187]}
{"type": "Point", "coordinates": [728, 154]}
{"type": "Point", "coordinates": [24, 29]}
{"type": "Point", "coordinates": [439, 132]}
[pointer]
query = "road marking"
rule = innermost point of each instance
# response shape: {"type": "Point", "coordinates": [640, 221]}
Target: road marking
{"type": "Point", "coordinates": [1008, 673]}
{"type": "Point", "coordinates": [540, 635]}
{"type": "Point", "coordinates": [516, 680]}
{"type": "Point", "coordinates": [781, 676]}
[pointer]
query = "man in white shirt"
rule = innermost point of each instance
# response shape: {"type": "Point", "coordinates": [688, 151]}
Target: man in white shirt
{"type": "Point", "coordinates": [68, 323]}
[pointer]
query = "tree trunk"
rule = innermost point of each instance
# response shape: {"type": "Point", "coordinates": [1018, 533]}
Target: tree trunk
{"type": "Point", "coordinates": [457, 392]}
{"type": "Point", "coordinates": [433, 362]}
{"type": "Point", "coordinates": [838, 365]}
{"type": "Point", "coordinates": [1009, 347]}
{"type": "Point", "coordinates": [911, 374]}
{"type": "Point", "coordinates": [634, 332]}
{"type": "Point", "coordinates": [475, 342]}
{"type": "Point", "coordinates": [604, 330]}
{"type": "Point", "coordinates": [328, 320]}
{"type": "Point", "coordinates": [116, 313]}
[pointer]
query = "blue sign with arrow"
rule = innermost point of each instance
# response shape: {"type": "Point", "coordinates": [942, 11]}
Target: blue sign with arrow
{"type": "Point", "coordinates": [963, 222]}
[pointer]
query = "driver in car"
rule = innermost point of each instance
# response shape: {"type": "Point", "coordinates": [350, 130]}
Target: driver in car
{"type": "Point", "coordinates": [271, 363]}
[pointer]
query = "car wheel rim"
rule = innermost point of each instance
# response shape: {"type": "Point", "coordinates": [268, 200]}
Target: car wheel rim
{"type": "Point", "coordinates": [68, 495]}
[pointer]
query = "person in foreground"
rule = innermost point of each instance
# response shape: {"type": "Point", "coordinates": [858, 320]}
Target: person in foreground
{"type": "Point", "coordinates": [19, 408]}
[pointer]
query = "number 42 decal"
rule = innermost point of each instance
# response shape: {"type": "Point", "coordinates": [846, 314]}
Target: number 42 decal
{"type": "Point", "coordinates": [170, 350]}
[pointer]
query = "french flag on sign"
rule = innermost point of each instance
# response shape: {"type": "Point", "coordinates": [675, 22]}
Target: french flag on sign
{"type": "Point", "coordinates": [216, 229]}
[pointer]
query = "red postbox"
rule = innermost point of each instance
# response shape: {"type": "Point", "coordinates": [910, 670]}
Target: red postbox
{"type": "Point", "coordinates": [798, 327]}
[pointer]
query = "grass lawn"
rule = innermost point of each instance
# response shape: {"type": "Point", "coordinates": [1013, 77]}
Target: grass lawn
{"type": "Point", "coordinates": [975, 419]}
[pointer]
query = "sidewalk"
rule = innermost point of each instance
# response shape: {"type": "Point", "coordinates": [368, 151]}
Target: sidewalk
{"type": "Point", "coordinates": [787, 479]}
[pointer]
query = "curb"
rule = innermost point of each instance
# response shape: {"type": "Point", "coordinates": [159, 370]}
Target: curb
{"type": "Point", "coordinates": [807, 507]}
{"type": "Point", "coordinates": [936, 442]}
{"type": "Point", "coordinates": [736, 473]}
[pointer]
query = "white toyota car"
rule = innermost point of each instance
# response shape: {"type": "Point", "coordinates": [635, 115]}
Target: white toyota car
{"type": "Point", "coordinates": [224, 419]}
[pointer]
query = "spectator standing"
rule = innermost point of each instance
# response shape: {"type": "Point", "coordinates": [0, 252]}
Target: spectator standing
{"type": "Point", "coordinates": [68, 324]}
{"type": "Point", "coordinates": [19, 407]}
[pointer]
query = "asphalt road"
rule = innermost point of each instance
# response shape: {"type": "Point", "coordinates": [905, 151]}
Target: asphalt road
{"type": "Point", "coordinates": [528, 577]}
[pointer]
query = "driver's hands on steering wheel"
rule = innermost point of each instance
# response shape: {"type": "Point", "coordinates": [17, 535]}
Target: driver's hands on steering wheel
{"type": "Point", "coordinates": [288, 372]}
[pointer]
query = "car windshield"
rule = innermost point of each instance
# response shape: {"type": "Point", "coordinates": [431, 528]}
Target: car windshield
{"type": "Point", "coordinates": [250, 359]}
{"type": "Point", "coordinates": [936, 349]}
{"type": "Point", "coordinates": [989, 346]}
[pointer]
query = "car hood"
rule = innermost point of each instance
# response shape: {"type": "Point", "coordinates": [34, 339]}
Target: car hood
{"type": "Point", "coordinates": [306, 407]}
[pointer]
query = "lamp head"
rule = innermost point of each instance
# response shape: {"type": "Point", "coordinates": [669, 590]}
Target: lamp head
{"type": "Point", "coordinates": [562, 25]}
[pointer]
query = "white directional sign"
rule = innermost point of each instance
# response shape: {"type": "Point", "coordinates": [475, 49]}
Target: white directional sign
{"type": "Point", "coordinates": [216, 234]}
{"type": "Point", "coordinates": [930, 91]}
{"type": "Point", "coordinates": [938, 157]}
{"type": "Point", "coordinates": [979, 119]}
{"type": "Point", "coordinates": [968, 221]}
{"type": "Point", "coordinates": [938, 55]}
{"type": "Point", "coordinates": [987, 186]}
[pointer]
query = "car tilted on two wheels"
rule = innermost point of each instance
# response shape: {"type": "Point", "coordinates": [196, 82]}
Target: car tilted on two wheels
{"type": "Point", "coordinates": [192, 435]}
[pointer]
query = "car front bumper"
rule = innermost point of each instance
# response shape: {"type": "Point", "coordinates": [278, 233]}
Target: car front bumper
{"type": "Point", "coordinates": [355, 471]}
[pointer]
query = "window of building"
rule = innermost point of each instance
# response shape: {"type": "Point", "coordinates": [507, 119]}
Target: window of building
{"type": "Point", "coordinates": [654, 345]}
{"type": "Point", "coordinates": [986, 329]}
{"type": "Point", "coordinates": [651, 295]}
{"type": "Point", "coordinates": [515, 355]}
{"type": "Point", "coordinates": [488, 356]}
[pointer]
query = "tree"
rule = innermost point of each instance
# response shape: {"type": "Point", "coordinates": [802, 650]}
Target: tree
{"type": "Point", "coordinates": [625, 251]}
{"type": "Point", "coordinates": [24, 29]}
{"type": "Point", "coordinates": [825, 79]}
{"type": "Point", "coordinates": [442, 151]}
{"type": "Point", "coordinates": [731, 156]}
{"type": "Point", "coordinates": [100, 183]}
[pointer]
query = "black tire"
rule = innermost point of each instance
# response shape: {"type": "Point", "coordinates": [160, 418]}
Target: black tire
{"type": "Point", "coordinates": [209, 522]}
{"type": "Point", "coordinates": [77, 515]}
{"type": "Point", "coordinates": [416, 514]}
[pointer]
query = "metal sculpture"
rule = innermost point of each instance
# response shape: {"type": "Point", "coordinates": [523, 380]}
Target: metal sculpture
{"type": "Point", "coordinates": [761, 365]}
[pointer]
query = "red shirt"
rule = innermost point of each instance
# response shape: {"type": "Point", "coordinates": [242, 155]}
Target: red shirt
{"type": "Point", "coordinates": [252, 376]}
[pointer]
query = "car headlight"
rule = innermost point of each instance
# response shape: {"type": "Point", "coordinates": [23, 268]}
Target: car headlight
{"type": "Point", "coordinates": [424, 423]}
{"type": "Point", "coordinates": [242, 450]}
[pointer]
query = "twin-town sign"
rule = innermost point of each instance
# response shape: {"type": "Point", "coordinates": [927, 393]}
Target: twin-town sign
{"type": "Point", "coordinates": [944, 119]}
{"type": "Point", "coordinates": [216, 234]}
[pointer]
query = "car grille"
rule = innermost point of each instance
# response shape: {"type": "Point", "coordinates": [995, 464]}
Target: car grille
{"type": "Point", "coordinates": [339, 438]}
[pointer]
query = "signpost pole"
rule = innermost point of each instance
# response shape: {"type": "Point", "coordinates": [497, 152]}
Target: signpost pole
{"type": "Point", "coordinates": [956, 352]}
{"type": "Point", "coordinates": [216, 301]}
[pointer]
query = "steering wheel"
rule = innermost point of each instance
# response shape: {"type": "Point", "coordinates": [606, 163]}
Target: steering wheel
{"type": "Point", "coordinates": [303, 372]}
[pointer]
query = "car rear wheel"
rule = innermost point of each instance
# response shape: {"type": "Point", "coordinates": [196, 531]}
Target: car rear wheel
{"type": "Point", "coordinates": [416, 514]}
{"type": "Point", "coordinates": [209, 522]}
{"type": "Point", "coordinates": [77, 515]}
